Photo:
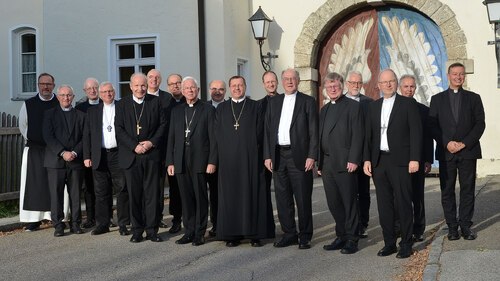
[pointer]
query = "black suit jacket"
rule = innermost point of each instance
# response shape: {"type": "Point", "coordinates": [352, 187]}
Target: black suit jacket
{"type": "Point", "coordinates": [84, 106]}
{"type": "Point", "coordinates": [126, 134]}
{"type": "Point", "coordinates": [346, 134]}
{"type": "Point", "coordinates": [60, 137]}
{"type": "Point", "coordinates": [201, 138]}
{"type": "Point", "coordinates": [468, 129]}
{"type": "Point", "coordinates": [428, 143]}
{"type": "Point", "coordinates": [92, 134]}
{"type": "Point", "coordinates": [404, 132]}
{"type": "Point", "coordinates": [303, 129]}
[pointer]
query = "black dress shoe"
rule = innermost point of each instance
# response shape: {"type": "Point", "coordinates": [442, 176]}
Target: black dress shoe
{"type": "Point", "coordinates": [418, 237]}
{"type": "Point", "coordinates": [404, 252]}
{"type": "Point", "coordinates": [256, 243]}
{"type": "Point", "coordinates": [285, 242]}
{"type": "Point", "coordinates": [362, 232]}
{"type": "Point", "coordinates": [453, 234]}
{"type": "Point", "coordinates": [99, 230]}
{"type": "Point", "coordinates": [154, 238]}
{"type": "Point", "coordinates": [32, 226]}
{"type": "Point", "coordinates": [337, 244]}
{"type": "Point", "coordinates": [232, 243]}
{"type": "Point", "coordinates": [162, 224]}
{"type": "Point", "coordinates": [212, 232]}
{"type": "Point", "coordinates": [350, 247]}
{"type": "Point", "coordinates": [387, 250]}
{"type": "Point", "coordinates": [304, 244]}
{"type": "Point", "coordinates": [59, 231]}
{"type": "Point", "coordinates": [176, 227]}
{"type": "Point", "coordinates": [198, 241]}
{"type": "Point", "coordinates": [184, 240]}
{"type": "Point", "coordinates": [88, 224]}
{"type": "Point", "coordinates": [468, 234]}
{"type": "Point", "coordinates": [76, 229]}
{"type": "Point", "coordinates": [136, 238]}
{"type": "Point", "coordinates": [123, 230]}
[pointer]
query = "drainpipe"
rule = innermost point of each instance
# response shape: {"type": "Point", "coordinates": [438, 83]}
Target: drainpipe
{"type": "Point", "coordinates": [203, 49]}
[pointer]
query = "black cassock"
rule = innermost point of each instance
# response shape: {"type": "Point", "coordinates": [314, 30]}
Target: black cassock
{"type": "Point", "coordinates": [245, 209]}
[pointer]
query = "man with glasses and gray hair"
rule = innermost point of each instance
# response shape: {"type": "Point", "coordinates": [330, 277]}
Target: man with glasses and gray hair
{"type": "Point", "coordinates": [63, 133]}
{"type": "Point", "coordinates": [354, 84]}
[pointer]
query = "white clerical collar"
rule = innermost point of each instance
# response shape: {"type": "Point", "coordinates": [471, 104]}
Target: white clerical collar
{"type": "Point", "coordinates": [94, 102]}
{"type": "Point", "coordinates": [154, 93]}
{"type": "Point", "coordinates": [393, 97]}
{"type": "Point", "coordinates": [40, 96]}
{"type": "Point", "coordinates": [291, 95]}
{"type": "Point", "coordinates": [349, 95]}
{"type": "Point", "coordinates": [66, 109]}
{"type": "Point", "coordinates": [139, 101]}
{"type": "Point", "coordinates": [239, 100]}
{"type": "Point", "coordinates": [333, 102]}
{"type": "Point", "coordinates": [109, 105]}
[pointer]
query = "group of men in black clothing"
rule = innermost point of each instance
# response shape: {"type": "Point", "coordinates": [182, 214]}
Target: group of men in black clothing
{"type": "Point", "coordinates": [237, 146]}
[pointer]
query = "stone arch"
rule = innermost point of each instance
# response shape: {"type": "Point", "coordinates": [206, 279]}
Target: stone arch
{"type": "Point", "coordinates": [320, 22]}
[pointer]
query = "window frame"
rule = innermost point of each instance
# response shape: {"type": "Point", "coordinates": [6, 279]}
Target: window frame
{"type": "Point", "coordinates": [115, 63]}
{"type": "Point", "coordinates": [15, 63]}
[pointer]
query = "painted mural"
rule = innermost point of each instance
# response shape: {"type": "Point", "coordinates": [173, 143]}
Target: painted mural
{"type": "Point", "coordinates": [397, 38]}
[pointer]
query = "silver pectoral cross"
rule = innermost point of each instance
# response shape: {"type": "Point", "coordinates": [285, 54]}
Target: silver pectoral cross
{"type": "Point", "coordinates": [236, 125]}
{"type": "Point", "coordinates": [187, 132]}
{"type": "Point", "coordinates": [109, 128]}
{"type": "Point", "coordinates": [138, 129]}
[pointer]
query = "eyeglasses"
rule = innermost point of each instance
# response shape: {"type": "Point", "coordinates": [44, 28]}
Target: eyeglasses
{"type": "Point", "coordinates": [174, 83]}
{"type": "Point", "coordinates": [335, 87]}
{"type": "Point", "coordinates": [355, 83]}
{"type": "Point", "coordinates": [106, 91]}
{"type": "Point", "coordinates": [387, 82]}
{"type": "Point", "coordinates": [66, 96]}
{"type": "Point", "coordinates": [190, 88]}
{"type": "Point", "coordinates": [46, 84]}
{"type": "Point", "coordinates": [219, 89]}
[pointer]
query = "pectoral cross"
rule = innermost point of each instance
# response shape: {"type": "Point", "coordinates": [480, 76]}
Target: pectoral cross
{"type": "Point", "coordinates": [187, 132]}
{"type": "Point", "coordinates": [236, 125]}
{"type": "Point", "coordinates": [138, 128]}
{"type": "Point", "coordinates": [109, 128]}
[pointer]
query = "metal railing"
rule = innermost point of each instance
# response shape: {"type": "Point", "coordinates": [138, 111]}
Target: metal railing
{"type": "Point", "coordinates": [11, 153]}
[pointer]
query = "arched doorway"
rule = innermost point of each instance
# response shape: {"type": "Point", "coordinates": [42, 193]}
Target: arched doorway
{"type": "Point", "coordinates": [318, 28]}
{"type": "Point", "coordinates": [389, 37]}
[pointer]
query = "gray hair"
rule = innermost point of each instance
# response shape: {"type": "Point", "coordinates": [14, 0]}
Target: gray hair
{"type": "Point", "coordinates": [333, 76]}
{"type": "Point", "coordinates": [297, 75]}
{"type": "Point", "coordinates": [407, 76]}
{"type": "Point", "coordinates": [189, 78]}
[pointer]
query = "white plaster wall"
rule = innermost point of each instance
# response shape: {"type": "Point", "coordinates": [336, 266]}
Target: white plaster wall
{"type": "Point", "coordinates": [78, 33]}
{"type": "Point", "coordinates": [15, 14]}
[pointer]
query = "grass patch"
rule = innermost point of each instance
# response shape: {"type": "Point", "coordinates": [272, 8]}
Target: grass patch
{"type": "Point", "coordinates": [9, 208]}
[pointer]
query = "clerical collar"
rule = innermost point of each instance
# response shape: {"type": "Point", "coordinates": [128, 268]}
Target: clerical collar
{"type": "Point", "coordinates": [291, 95]}
{"type": "Point", "coordinates": [94, 102]}
{"type": "Point", "coordinates": [336, 101]}
{"type": "Point", "coordinates": [238, 101]}
{"type": "Point", "coordinates": [455, 91]}
{"type": "Point", "coordinates": [351, 95]}
{"type": "Point", "coordinates": [40, 96]}
{"type": "Point", "coordinates": [192, 104]}
{"type": "Point", "coordinates": [110, 105]}
{"type": "Point", "coordinates": [391, 98]}
{"type": "Point", "coordinates": [66, 109]}
{"type": "Point", "coordinates": [154, 93]}
{"type": "Point", "coordinates": [139, 101]}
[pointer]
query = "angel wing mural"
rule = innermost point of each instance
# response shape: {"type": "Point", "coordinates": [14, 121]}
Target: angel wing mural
{"type": "Point", "coordinates": [351, 54]}
{"type": "Point", "coordinates": [387, 37]}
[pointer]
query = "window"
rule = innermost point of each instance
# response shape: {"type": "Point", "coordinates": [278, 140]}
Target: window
{"type": "Point", "coordinates": [24, 63]}
{"type": "Point", "coordinates": [130, 55]}
{"type": "Point", "coordinates": [242, 70]}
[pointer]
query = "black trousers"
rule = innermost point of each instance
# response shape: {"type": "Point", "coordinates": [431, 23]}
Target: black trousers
{"type": "Point", "coordinates": [363, 197]}
{"type": "Point", "coordinates": [88, 193]}
{"type": "Point", "coordinates": [341, 195]}
{"type": "Point", "coordinates": [161, 193]}
{"type": "Point", "coordinates": [109, 179]}
{"type": "Point", "coordinates": [418, 188]}
{"type": "Point", "coordinates": [394, 195]}
{"type": "Point", "coordinates": [73, 179]}
{"type": "Point", "coordinates": [213, 183]}
{"type": "Point", "coordinates": [175, 202]}
{"type": "Point", "coordinates": [466, 169]}
{"type": "Point", "coordinates": [143, 183]}
{"type": "Point", "coordinates": [291, 183]}
{"type": "Point", "coordinates": [194, 195]}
